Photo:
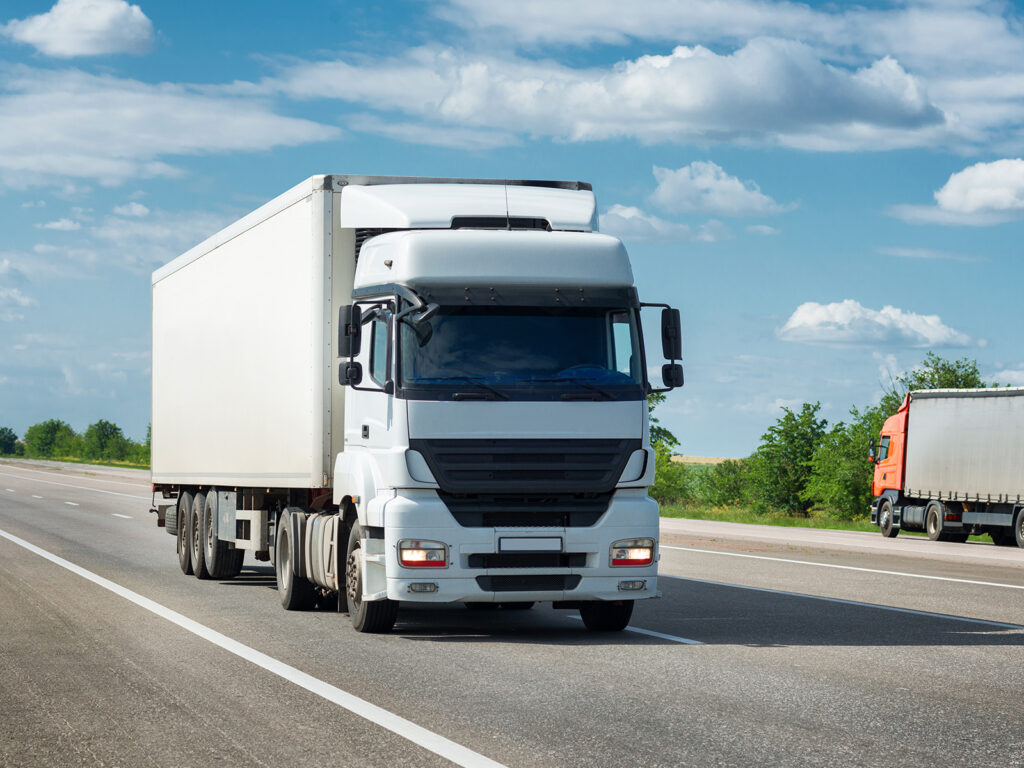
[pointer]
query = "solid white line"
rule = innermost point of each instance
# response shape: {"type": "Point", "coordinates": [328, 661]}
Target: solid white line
{"type": "Point", "coordinates": [36, 497]}
{"type": "Point", "coordinates": [652, 633]}
{"type": "Point", "coordinates": [126, 517]}
{"type": "Point", "coordinates": [857, 603]}
{"type": "Point", "coordinates": [429, 740]}
{"type": "Point", "coordinates": [847, 567]}
{"type": "Point", "coordinates": [80, 487]}
{"type": "Point", "coordinates": [12, 490]}
{"type": "Point", "coordinates": [71, 503]}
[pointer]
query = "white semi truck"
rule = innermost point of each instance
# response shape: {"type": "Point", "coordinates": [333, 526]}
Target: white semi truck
{"type": "Point", "coordinates": [406, 389]}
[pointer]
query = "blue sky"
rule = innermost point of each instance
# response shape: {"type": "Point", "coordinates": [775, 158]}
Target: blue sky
{"type": "Point", "coordinates": [827, 191]}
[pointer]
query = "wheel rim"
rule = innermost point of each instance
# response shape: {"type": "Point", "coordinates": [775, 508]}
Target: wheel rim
{"type": "Point", "coordinates": [886, 517]}
{"type": "Point", "coordinates": [284, 563]}
{"type": "Point", "coordinates": [933, 522]}
{"type": "Point", "coordinates": [209, 531]}
{"type": "Point", "coordinates": [352, 577]}
{"type": "Point", "coordinates": [197, 539]}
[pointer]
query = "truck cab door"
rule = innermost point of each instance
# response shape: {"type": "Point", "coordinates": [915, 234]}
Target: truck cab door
{"type": "Point", "coordinates": [369, 406]}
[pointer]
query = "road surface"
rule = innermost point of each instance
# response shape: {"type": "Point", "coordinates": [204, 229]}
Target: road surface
{"type": "Point", "coordinates": [780, 647]}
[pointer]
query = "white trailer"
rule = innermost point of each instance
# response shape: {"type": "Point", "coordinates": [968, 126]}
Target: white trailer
{"type": "Point", "coordinates": [423, 390]}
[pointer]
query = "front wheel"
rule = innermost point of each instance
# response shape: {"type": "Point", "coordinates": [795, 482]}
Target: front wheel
{"type": "Point", "coordinates": [885, 520]}
{"type": "Point", "coordinates": [601, 616]}
{"type": "Point", "coordinates": [367, 616]}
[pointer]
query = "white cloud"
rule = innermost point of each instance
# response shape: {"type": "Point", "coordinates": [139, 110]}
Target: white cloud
{"type": "Point", "coordinates": [62, 225]}
{"type": "Point", "coordinates": [926, 253]}
{"type": "Point", "coordinates": [763, 229]}
{"type": "Point", "coordinates": [1012, 376]}
{"type": "Point", "coordinates": [143, 244]}
{"type": "Point", "coordinates": [11, 301]}
{"type": "Point", "coordinates": [85, 28]}
{"type": "Point", "coordinates": [705, 187]}
{"type": "Point", "coordinates": [984, 188]}
{"type": "Point", "coordinates": [980, 195]}
{"type": "Point", "coordinates": [630, 223]}
{"type": "Point", "coordinates": [768, 91]}
{"type": "Point", "coordinates": [848, 322]}
{"type": "Point", "coordinates": [138, 210]}
{"type": "Point", "coordinates": [72, 124]}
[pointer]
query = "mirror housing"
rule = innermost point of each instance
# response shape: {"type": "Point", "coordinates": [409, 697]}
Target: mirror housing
{"type": "Point", "coordinates": [350, 374]}
{"type": "Point", "coordinates": [871, 451]}
{"type": "Point", "coordinates": [672, 375]}
{"type": "Point", "coordinates": [350, 330]}
{"type": "Point", "coordinates": [671, 334]}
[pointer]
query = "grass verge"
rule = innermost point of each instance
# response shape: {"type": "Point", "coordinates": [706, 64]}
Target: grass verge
{"type": "Point", "coordinates": [73, 460]}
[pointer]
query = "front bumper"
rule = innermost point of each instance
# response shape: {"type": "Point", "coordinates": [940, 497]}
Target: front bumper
{"type": "Point", "coordinates": [420, 514]}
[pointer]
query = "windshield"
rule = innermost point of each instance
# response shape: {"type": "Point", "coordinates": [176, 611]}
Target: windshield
{"type": "Point", "coordinates": [523, 353]}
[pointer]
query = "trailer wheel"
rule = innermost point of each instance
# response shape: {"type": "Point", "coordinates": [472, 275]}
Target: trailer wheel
{"type": "Point", "coordinates": [885, 520]}
{"type": "Point", "coordinates": [376, 616]}
{"type": "Point", "coordinates": [1003, 537]}
{"type": "Point", "coordinates": [601, 616]}
{"type": "Point", "coordinates": [1018, 529]}
{"type": "Point", "coordinates": [184, 543]}
{"type": "Point", "coordinates": [195, 536]}
{"type": "Point", "coordinates": [222, 562]}
{"type": "Point", "coordinates": [296, 592]}
{"type": "Point", "coordinates": [933, 521]}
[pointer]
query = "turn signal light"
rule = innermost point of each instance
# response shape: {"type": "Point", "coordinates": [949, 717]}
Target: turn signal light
{"type": "Point", "coordinates": [413, 553]}
{"type": "Point", "coordinates": [632, 552]}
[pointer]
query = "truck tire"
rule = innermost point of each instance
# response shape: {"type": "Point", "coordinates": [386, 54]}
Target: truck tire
{"type": "Point", "coordinates": [184, 542]}
{"type": "Point", "coordinates": [1018, 529]}
{"type": "Point", "coordinates": [195, 536]}
{"type": "Point", "coordinates": [885, 520]}
{"type": "Point", "coordinates": [1003, 537]}
{"type": "Point", "coordinates": [376, 616]}
{"type": "Point", "coordinates": [222, 562]}
{"type": "Point", "coordinates": [603, 616]}
{"type": "Point", "coordinates": [933, 521]}
{"type": "Point", "coordinates": [296, 592]}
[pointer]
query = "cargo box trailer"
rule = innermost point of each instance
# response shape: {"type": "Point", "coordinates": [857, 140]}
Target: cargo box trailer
{"type": "Point", "coordinates": [950, 462]}
{"type": "Point", "coordinates": [419, 390]}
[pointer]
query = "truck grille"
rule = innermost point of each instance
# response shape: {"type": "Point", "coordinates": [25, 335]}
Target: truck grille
{"type": "Point", "coordinates": [557, 583]}
{"type": "Point", "coordinates": [529, 560]}
{"type": "Point", "coordinates": [526, 466]}
{"type": "Point", "coordinates": [534, 510]}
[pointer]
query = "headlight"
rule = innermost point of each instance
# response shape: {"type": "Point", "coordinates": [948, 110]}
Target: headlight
{"type": "Point", "coordinates": [632, 552]}
{"type": "Point", "coordinates": [414, 553]}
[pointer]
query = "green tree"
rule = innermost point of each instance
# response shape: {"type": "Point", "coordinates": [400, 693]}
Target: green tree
{"type": "Point", "coordinates": [672, 482]}
{"type": "Point", "coordinates": [934, 372]}
{"type": "Point", "coordinates": [50, 438]}
{"type": "Point", "coordinates": [104, 440]}
{"type": "Point", "coordinates": [781, 465]}
{"type": "Point", "coordinates": [659, 434]}
{"type": "Point", "coordinates": [726, 483]}
{"type": "Point", "coordinates": [840, 479]}
{"type": "Point", "coordinates": [8, 440]}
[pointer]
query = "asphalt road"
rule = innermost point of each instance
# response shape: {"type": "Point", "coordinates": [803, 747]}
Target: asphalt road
{"type": "Point", "coordinates": [801, 648]}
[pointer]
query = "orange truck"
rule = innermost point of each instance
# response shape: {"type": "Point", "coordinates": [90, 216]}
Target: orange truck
{"type": "Point", "coordinates": [950, 462]}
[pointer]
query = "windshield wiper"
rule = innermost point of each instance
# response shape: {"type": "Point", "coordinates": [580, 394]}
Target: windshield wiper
{"type": "Point", "coordinates": [475, 380]}
{"type": "Point", "coordinates": [573, 380]}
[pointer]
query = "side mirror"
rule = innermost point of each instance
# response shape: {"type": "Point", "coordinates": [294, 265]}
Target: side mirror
{"type": "Point", "coordinates": [672, 375]}
{"type": "Point", "coordinates": [350, 333]}
{"type": "Point", "coordinates": [871, 451]}
{"type": "Point", "coordinates": [671, 335]}
{"type": "Point", "coordinates": [350, 374]}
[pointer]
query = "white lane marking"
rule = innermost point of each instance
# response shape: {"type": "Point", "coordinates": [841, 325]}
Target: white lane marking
{"type": "Point", "coordinates": [36, 497]}
{"type": "Point", "coordinates": [126, 517]}
{"type": "Point", "coordinates": [858, 603]}
{"type": "Point", "coordinates": [93, 476]}
{"type": "Point", "coordinates": [652, 633]}
{"type": "Point", "coordinates": [12, 490]}
{"type": "Point", "coordinates": [429, 740]}
{"type": "Point", "coordinates": [80, 487]}
{"type": "Point", "coordinates": [71, 503]}
{"type": "Point", "coordinates": [847, 567]}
